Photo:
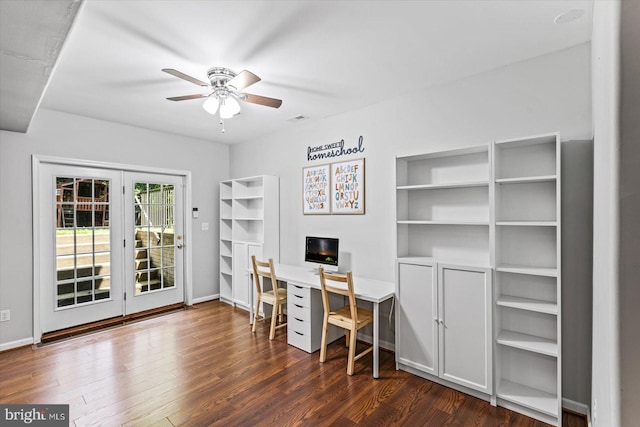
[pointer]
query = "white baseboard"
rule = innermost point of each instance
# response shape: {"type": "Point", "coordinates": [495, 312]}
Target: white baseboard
{"type": "Point", "coordinates": [16, 344]}
{"type": "Point", "coordinates": [383, 344]}
{"type": "Point", "coordinates": [205, 299]}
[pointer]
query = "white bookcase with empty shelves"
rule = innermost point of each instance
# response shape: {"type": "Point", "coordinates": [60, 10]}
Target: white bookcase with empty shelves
{"type": "Point", "coordinates": [527, 270]}
{"type": "Point", "coordinates": [443, 276]}
{"type": "Point", "coordinates": [478, 271]}
{"type": "Point", "coordinates": [443, 206]}
{"type": "Point", "coordinates": [249, 225]}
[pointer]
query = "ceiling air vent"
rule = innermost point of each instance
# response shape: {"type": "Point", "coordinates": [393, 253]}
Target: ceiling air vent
{"type": "Point", "coordinates": [297, 118]}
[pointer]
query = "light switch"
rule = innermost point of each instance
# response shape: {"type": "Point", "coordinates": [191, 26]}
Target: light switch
{"type": "Point", "coordinates": [205, 226]}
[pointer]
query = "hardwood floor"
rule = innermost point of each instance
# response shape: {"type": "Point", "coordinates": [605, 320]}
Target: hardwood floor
{"type": "Point", "coordinates": [203, 366]}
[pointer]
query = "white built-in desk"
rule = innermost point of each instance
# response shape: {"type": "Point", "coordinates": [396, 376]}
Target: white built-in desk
{"type": "Point", "coordinates": [373, 291]}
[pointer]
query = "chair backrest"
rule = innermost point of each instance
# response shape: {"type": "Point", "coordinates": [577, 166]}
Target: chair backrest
{"type": "Point", "coordinates": [347, 290]}
{"type": "Point", "coordinates": [264, 269]}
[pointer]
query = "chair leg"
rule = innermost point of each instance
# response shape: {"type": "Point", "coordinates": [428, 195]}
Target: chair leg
{"type": "Point", "coordinates": [352, 352]}
{"type": "Point", "coordinates": [255, 315]}
{"type": "Point", "coordinates": [274, 317]}
{"type": "Point", "coordinates": [346, 338]}
{"type": "Point", "coordinates": [323, 342]}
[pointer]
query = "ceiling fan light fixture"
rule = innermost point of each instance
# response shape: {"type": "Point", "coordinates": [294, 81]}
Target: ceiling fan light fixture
{"type": "Point", "coordinates": [225, 86]}
{"type": "Point", "coordinates": [229, 107]}
{"type": "Point", "coordinates": [210, 105]}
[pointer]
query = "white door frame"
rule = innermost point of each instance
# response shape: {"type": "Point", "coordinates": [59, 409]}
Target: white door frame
{"type": "Point", "coordinates": [37, 160]}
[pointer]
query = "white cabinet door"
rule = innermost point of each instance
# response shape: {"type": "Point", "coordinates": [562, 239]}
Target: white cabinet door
{"type": "Point", "coordinates": [242, 286]}
{"type": "Point", "coordinates": [417, 327]}
{"type": "Point", "coordinates": [240, 276]}
{"type": "Point", "coordinates": [256, 250]}
{"type": "Point", "coordinates": [465, 326]}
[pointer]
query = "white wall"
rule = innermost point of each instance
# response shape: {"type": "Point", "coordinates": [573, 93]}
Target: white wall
{"type": "Point", "coordinates": [616, 256]}
{"type": "Point", "coordinates": [605, 401]}
{"type": "Point", "coordinates": [549, 93]}
{"type": "Point", "coordinates": [63, 135]}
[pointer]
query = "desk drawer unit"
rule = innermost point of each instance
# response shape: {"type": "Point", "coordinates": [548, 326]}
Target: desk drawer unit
{"type": "Point", "coordinates": [298, 295]}
{"type": "Point", "coordinates": [298, 312]}
{"type": "Point", "coordinates": [304, 318]}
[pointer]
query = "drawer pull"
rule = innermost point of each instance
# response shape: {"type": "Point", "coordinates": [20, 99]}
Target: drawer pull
{"type": "Point", "coordinates": [298, 296]}
{"type": "Point", "coordinates": [299, 287]}
{"type": "Point", "coordinates": [299, 306]}
{"type": "Point", "coordinates": [299, 333]}
{"type": "Point", "coordinates": [299, 320]}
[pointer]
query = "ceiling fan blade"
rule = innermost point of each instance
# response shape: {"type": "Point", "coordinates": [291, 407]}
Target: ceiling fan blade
{"type": "Point", "coordinates": [186, 97]}
{"type": "Point", "coordinates": [183, 76]}
{"type": "Point", "coordinates": [243, 79]}
{"type": "Point", "coordinates": [262, 100]}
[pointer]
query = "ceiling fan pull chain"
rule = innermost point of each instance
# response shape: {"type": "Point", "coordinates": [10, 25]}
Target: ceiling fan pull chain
{"type": "Point", "coordinates": [222, 124]}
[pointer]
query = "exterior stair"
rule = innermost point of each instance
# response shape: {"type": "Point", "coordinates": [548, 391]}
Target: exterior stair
{"type": "Point", "coordinates": [146, 279]}
{"type": "Point", "coordinates": [87, 256]}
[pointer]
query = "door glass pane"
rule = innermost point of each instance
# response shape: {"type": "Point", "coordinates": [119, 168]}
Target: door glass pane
{"type": "Point", "coordinates": [168, 280]}
{"type": "Point", "coordinates": [82, 240]}
{"type": "Point", "coordinates": [154, 236]}
{"type": "Point", "coordinates": [102, 287]}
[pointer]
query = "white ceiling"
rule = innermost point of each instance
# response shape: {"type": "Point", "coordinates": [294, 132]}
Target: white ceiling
{"type": "Point", "coordinates": [31, 35]}
{"type": "Point", "coordinates": [321, 58]}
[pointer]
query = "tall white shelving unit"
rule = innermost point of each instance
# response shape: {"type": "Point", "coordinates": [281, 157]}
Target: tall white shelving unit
{"type": "Point", "coordinates": [478, 232]}
{"type": "Point", "coordinates": [226, 241]}
{"type": "Point", "coordinates": [444, 281]}
{"type": "Point", "coordinates": [249, 225]}
{"type": "Point", "coordinates": [527, 270]}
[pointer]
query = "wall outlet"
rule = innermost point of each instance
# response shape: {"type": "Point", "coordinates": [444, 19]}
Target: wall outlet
{"type": "Point", "coordinates": [5, 315]}
{"type": "Point", "coordinates": [205, 226]}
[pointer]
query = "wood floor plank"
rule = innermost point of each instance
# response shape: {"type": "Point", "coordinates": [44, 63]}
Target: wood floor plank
{"type": "Point", "coordinates": [203, 367]}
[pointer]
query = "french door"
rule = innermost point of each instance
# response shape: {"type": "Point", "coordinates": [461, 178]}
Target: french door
{"type": "Point", "coordinates": [80, 219]}
{"type": "Point", "coordinates": [109, 243]}
{"type": "Point", "coordinates": [154, 241]}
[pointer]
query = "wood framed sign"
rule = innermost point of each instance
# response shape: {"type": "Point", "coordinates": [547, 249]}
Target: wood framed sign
{"type": "Point", "coordinates": [316, 190]}
{"type": "Point", "coordinates": [347, 187]}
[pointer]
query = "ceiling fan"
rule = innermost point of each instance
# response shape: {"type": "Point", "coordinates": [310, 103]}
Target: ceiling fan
{"type": "Point", "coordinates": [224, 91]}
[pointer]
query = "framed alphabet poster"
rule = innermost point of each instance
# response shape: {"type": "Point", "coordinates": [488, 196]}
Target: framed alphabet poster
{"type": "Point", "coordinates": [347, 187]}
{"type": "Point", "coordinates": [316, 190]}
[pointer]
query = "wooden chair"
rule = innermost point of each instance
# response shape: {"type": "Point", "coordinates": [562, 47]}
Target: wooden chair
{"type": "Point", "coordinates": [350, 317]}
{"type": "Point", "coordinates": [276, 297]}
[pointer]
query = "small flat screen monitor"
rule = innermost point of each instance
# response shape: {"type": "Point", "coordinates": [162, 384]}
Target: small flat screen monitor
{"type": "Point", "coordinates": [321, 250]}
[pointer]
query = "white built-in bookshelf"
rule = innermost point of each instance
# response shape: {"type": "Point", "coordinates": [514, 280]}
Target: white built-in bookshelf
{"type": "Point", "coordinates": [443, 208]}
{"type": "Point", "coordinates": [527, 294]}
{"type": "Point", "coordinates": [444, 281]}
{"type": "Point", "coordinates": [249, 225]}
{"type": "Point", "coordinates": [494, 206]}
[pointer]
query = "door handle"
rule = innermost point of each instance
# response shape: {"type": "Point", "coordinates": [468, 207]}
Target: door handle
{"type": "Point", "coordinates": [179, 245]}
